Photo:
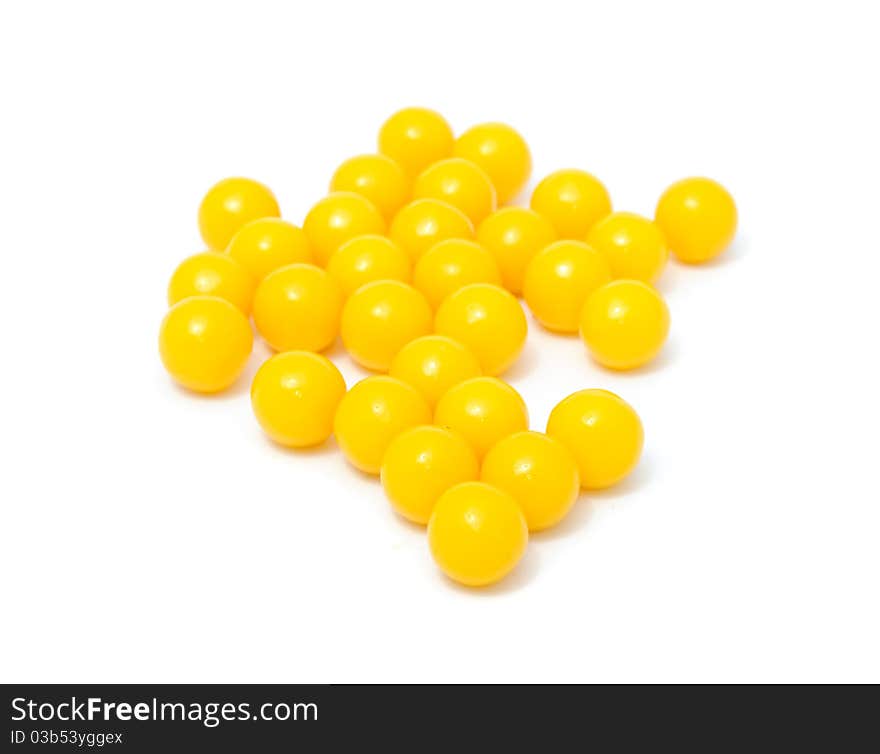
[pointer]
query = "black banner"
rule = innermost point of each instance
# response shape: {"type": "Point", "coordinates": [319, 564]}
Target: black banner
{"type": "Point", "coordinates": [266, 718]}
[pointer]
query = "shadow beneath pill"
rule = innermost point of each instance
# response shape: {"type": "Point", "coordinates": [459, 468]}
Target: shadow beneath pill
{"type": "Point", "coordinates": [326, 448]}
{"type": "Point", "coordinates": [524, 573]}
{"type": "Point", "coordinates": [589, 503]}
{"type": "Point", "coordinates": [525, 364]}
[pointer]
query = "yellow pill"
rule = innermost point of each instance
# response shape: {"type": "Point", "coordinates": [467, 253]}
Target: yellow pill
{"type": "Point", "coordinates": [633, 246]}
{"type": "Point", "coordinates": [366, 259]}
{"type": "Point", "coordinates": [501, 152]}
{"type": "Point", "coordinates": [539, 472]}
{"type": "Point", "coordinates": [487, 320]}
{"type": "Point", "coordinates": [262, 246]}
{"type": "Point", "coordinates": [514, 235]}
{"type": "Point", "coordinates": [560, 279]}
{"type": "Point", "coordinates": [337, 218]}
{"type": "Point", "coordinates": [229, 205]}
{"type": "Point", "coordinates": [376, 177]}
{"type": "Point", "coordinates": [420, 465]}
{"type": "Point", "coordinates": [297, 308]}
{"type": "Point", "coordinates": [414, 138]}
{"type": "Point", "coordinates": [212, 274]}
{"type": "Point", "coordinates": [624, 324]}
{"type": "Point", "coordinates": [603, 433]}
{"type": "Point", "coordinates": [453, 264]}
{"type": "Point", "coordinates": [372, 414]}
{"type": "Point", "coordinates": [204, 343]}
{"type": "Point", "coordinates": [477, 534]}
{"type": "Point", "coordinates": [483, 410]}
{"type": "Point", "coordinates": [698, 217]}
{"type": "Point", "coordinates": [294, 396]}
{"type": "Point", "coordinates": [573, 201]}
{"type": "Point", "coordinates": [422, 223]}
{"type": "Point", "coordinates": [460, 183]}
{"type": "Point", "coordinates": [434, 363]}
{"type": "Point", "coordinates": [381, 318]}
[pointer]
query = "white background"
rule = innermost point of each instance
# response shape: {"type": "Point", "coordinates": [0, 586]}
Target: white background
{"type": "Point", "coordinates": [148, 535]}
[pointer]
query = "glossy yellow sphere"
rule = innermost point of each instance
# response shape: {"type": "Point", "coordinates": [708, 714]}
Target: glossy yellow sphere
{"type": "Point", "coordinates": [434, 363]}
{"type": "Point", "coordinates": [603, 433]}
{"type": "Point", "coordinates": [376, 177]}
{"type": "Point", "coordinates": [380, 318]}
{"type": "Point", "coordinates": [477, 534]}
{"type": "Point", "coordinates": [460, 183]}
{"type": "Point", "coordinates": [337, 218]}
{"type": "Point", "coordinates": [698, 217]}
{"type": "Point", "coordinates": [294, 396]}
{"type": "Point", "coordinates": [624, 324]}
{"type": "Point", "coordinates": [204, 343]}
{"type": "Point", "coordinates": [501, 152]}
{"type": "Point", "coordinates": [262, 246]}
{"type": "Point", "coordinates": [483, 410]}
{"type": "Point", "coordinates": [514, 235]}
{"type": "Point", "coordinates": [422, 223]}
{"type": "Point", "coordinates": [372, 414]}
{"type": "Point", "coordinates": [229, 205]}
{"type": "Point", "coordinates": [633, 246]}
{"type": "Point", "coordinates": [297, 308]}
{"type": "Point", "coordinates": [453, 264]}
{"type": "Point", "coordinates": [414, 138]}
{"type": "Point", "coordinates": [212, 274]}
{"type": "Point", "coordinates": [486, 319]}
{"type": "Point", "coordinates": [560, 279]}
{"type": "Point", "coordinates": [366, 259]}
{"type": "Point", "coordinates": [420, 465]}
{"type": "Point", "coordinates": [539, 472]}
{"type": "Point", "coordinates": [573, 201]}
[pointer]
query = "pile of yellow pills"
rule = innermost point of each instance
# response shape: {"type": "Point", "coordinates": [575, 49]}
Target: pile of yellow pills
{"type": "Point", "coordinates": [418, 263]}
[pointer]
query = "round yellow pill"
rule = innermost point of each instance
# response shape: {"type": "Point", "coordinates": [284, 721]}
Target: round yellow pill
{"type": "Point", "coordinates": [486, 319]}
{"type": "Point", "coordinates": [372, 414]}
{"type": "Point", "coordinates": [477, 534]}
{"type": "Point", "coordinates": [453, 264]}
{"type": "Point", "coordinates": [603, 433]}
{"type": "Point", "coordinates": [698, 217]}
{"type": "Point", "coordinates": [633, 246]}
{"type": "Point", "coordinates": [338, 217]}
{"type": "Point", "coordinates": [229, 205]}
{"type": "Point", "coordinates": [514, 235]}
{"type": "Point", "coordinates": [501, 152]}
{"type": "Point", "coordinates": [624, 324]}
{"type": "Point", "coordinates": [212, 274]}
{"type": "Point", "coordinates": [414, 138]}
{"type": "Point", "coordinates": [420, 465]}
{"type": "Point", "coordinates": [204, 343]}
{"type": "Point", "coordinates": [297, 308]}
{"type": "Point", "coordinates": [560, 279]}
{"type": "Point", "coordinates": [366, 259]}
{"type": "Point", "coordinates": [460, 183]}
{"type": "Point", "coordinates": [539, 472]}
{"type": "Point", "coordinates": [262, 246]}
{"type": "Point", "coordinates": [422, 223]}
{"type": "Point", "coordinates": [381, 318]}
{"type": "Point", "coordinates": [294, 396]}
{"type": "Point", "coordinates": [376, 177]}
{"type": "Point", "coordinates": [434, 363]}
{"type": "Point", "coordinates": [573, 201]}
{"type": "Point", "coordinates": [483, 410]}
